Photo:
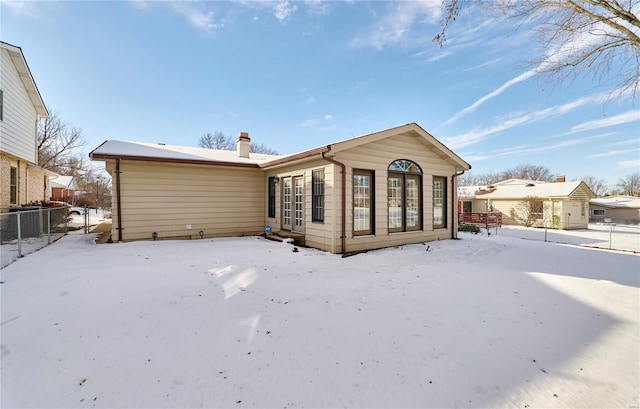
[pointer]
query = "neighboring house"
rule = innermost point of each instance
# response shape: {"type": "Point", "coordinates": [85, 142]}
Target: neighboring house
{"type": "Point", "coordinates": [615, 209]}
{"type": "Point", "coordinates": [559, 205]}
{"type": "Point", "coordinates": [392, 187]}
{"type": "Point", "coordinates": [63, 189]}
{"type": "Point", "coordinates": [22, 181]}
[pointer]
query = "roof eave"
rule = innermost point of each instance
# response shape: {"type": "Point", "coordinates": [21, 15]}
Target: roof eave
{"type": "Point", "coordinates": [102, 156]}
{"type": "Point", "coordinates": [287, 160]}
{"type": "Point", "coordinates": [17, 57]}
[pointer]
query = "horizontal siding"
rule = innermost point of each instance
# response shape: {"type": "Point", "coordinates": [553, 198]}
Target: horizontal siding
{"type": "Point", "coordinates": [166, 198]}
{"type": "Point", "coordinates": [18, 127]}
{"type": "Point", "coordinates": [377, 156]}
{"type": "Point", "coordinates": [321, 235]}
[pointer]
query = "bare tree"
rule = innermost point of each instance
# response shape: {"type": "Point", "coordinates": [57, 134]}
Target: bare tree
{"type": "Point", "coordinates": [597, 185]}
{"type": "Point", "coordinates": [630, 185]}
{"type": "Point", "coordinates": [528, 211]}
{"type": "Point", "coordinates": [262, 148]}
{"type": "Point", "coordinates": [529, 172]}
{"type": "Point", "coordinates": [573, 37]}
{"type": "Point", "coordinates": [57, 141]}
{"type": "Point", "coordinates": [217, 141]}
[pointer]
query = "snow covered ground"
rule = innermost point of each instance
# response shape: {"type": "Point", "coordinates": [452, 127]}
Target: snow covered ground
{"type": "Point", "coordinates": [9, 251]}
{"type": "Point", "coordinates": [485, 321]}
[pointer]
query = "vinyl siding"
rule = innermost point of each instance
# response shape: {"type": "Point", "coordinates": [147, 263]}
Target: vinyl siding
{"type": "Point", "coordinates": [322, 235]}
{"type": "Point", "coordinates": [165, 198]}
{"type": "Point", "coordinates": [18, 126]}
{"type": "Point", "coordinates": [377, 156]}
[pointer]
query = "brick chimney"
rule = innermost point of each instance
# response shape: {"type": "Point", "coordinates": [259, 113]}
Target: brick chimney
{"type": "Point", "coordinates": [242, 144]}
{"type": "Point", "coordinates": [560, 179]}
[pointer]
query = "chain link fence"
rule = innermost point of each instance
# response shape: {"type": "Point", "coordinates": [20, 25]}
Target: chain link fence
{"type": "Point", "coordinates": [27, 229]}
{"type": "Point", "coordinates": [609, 236]}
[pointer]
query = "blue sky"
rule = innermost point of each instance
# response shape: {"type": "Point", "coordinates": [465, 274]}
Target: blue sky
{"type": "Point", "coordinates": [297, 75]}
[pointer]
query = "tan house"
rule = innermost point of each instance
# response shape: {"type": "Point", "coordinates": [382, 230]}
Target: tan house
{"type": "Point", "coordinates": [22, 181]}
{"type": "Point", "coordinates": [559, 205]}
{"type": "Point", "coordinates": [392, 187]}
{"type": "Point", "coordinates": [615, 209]}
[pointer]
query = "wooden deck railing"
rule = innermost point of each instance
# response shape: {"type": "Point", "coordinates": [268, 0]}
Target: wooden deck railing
{"type": "Point", "coordinates": [485, 220]}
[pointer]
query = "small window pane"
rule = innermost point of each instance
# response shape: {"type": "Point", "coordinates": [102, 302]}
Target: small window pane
{"type": "Point", "coordinates": [272, 197]}
{"type": "Point", "coordinates": [362, 201]}
{"type": "Point", "coordinates": [439, 202]}
{"type": "Point", "coordinates": [317, 193]}
{"type": "Point", "coordinates": [395, 203]}
{"type": "Point", "coordinates": [299, 201]}
{"type": "Point", "coordinates": [286, 202]}
{"type": "Point", "coordinates": [413, 203]}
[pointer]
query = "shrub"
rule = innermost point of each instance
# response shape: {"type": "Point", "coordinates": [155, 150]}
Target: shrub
{"type": "Point", "coordinates": [471, 228]}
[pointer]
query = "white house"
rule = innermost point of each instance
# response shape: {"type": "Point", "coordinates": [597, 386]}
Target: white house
{"type": "Point", "coordinates": [21, 179]}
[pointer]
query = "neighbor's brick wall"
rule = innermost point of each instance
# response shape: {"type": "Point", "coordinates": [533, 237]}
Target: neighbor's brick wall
{"type": "Point", "coordinates": [35, 185]}
{"type": "Point", "coordinates": [22, 185]}
{"type": "Point", "coordinates": [5, 177]}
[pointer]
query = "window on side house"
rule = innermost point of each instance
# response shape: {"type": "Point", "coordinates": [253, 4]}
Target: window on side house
{"type": "Point", "coordinates": [404, 194]}
{"type": "Point", "coordinates": [13, 185]}
{"type": "Point", "coordinates": [272, 197]}
{"type": "Point", "coordinates": [536, 208]}
{"type": "Point", "coordinates": [439, 202]}
{"type": "Point", "coordinates": [317, 192]}
{"type": "Point", "coordinates": [362, 202]}
{"type": "Point", "coordinates": [598, 212]}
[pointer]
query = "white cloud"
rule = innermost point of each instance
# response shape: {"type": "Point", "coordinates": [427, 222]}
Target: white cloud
{"type": "Point", "coordinates": [478, 135]}
{"type": "Point", "coordinates": [490, 95]}
{"type": "Point", "coordinates": [203, 20]}
{"type": "Point", "coordinates": [317, 7]}
{"type": "Point", "coordinates": [623, 118]}
{"type": "Point", "coordinates": [394, 26]}
{"type": "Point", "coordinates": [328, 117]}
{"type": "Point", "coordinates": [284, 10]}
{"type": "Point", "coordinates": [307, 123]}
{"type": "Point", "coordinates": [26, 8]}
{"type": "Point", "coordinates": [612, 153]}
{"type": "Point", "coordinates": [625, 142]}
{"type": "Point", "coordinates": [629, 164]}
{"type": "Point", "coordinates": [281, 9]}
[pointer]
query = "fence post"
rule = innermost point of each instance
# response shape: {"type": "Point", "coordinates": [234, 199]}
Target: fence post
{"type": "Point", "coordinates": [611, 227]}
{"type": "Point", "coordinates": [19, 236]}
{"type": "Point", "coordinates": [49, 226]}
{"type": "Point", "coordinates": [86, 220]}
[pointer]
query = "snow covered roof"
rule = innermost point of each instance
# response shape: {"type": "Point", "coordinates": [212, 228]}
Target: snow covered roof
{"type": "Point", "coordinates": [115, 149]}
{"type": "Point", "coordinates": [519, 191]}
{"type": "Point", "coordinates": [619, 201]}
{"type": "Point", "coordinates": [67, 182]}
{"type": "Point", "coordinates": [518, 182]}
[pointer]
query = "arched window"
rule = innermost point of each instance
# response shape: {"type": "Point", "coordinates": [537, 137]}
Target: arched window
{"type": "Point", "coordinates": [404, 193]}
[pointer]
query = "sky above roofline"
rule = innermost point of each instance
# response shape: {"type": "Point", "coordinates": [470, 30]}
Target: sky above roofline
{"type": "Point", "coordinates": [297, 75]}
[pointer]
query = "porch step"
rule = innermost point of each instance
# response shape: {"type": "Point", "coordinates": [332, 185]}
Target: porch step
{"type": "Point", "coordinates": [298, 239]}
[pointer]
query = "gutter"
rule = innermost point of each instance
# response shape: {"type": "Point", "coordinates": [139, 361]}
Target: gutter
{"type": "Point", "coordinates": [119, 203]}
{"type": "Point", "coordinates": [343, 168]}
{"type": "Point", "coordinates": [454, 204]}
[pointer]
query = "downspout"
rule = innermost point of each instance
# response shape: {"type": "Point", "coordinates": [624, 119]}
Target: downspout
{"type": "Point", "coordinates": [343, 236]}
{"type": "Point", "coordinates": [454, 204]}
{"type": "Point", "coordinates": [119, 203]}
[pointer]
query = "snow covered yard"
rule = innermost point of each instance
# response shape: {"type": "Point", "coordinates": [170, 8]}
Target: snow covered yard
{"type": "Point", "coordinates": [245, 322]}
